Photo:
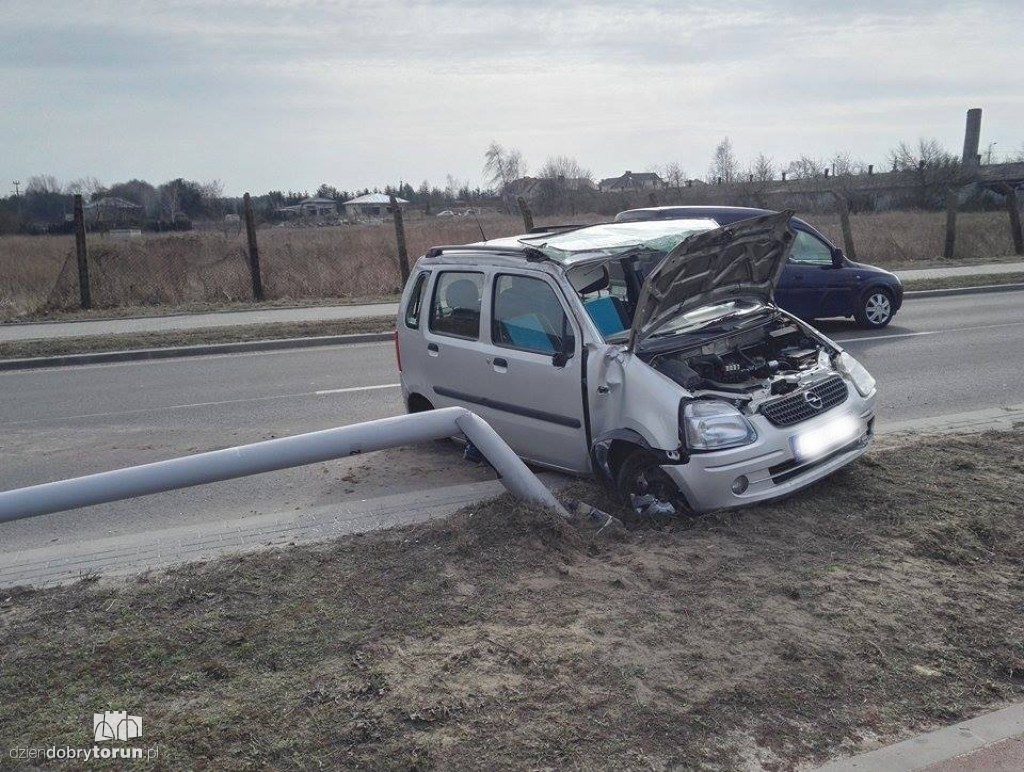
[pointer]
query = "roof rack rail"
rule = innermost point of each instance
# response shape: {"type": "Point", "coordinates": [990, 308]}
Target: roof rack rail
{"type": "Point", "coordinates": [532, 254]}
{"type": "Point", "coordinates": [558, 227]}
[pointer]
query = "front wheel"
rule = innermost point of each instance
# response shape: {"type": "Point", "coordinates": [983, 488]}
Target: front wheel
{"type": "Point", "coordinates": [875, 309]}
{"type": "Point", "coordinates": [647, 490]}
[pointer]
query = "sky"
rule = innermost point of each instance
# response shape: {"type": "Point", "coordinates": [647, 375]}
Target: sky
{"type": "Point", "coordinates": [288, 94]}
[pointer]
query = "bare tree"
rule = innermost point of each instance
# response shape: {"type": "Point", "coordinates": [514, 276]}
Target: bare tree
{"type": "Point", "coordinates": [935, 170]}
{"type": "Point", "coordinates": [844, 166]}
{"type": "Point", "coordinates": [763, 168]}
{"type": "Point", "coordinates": [563, 184]}
{"type": "Point", "coordinates": [805, 168]}
{"type": "Point", "coordinates": [43, 183]}
{"type": "Point", "coordinates": [724, 165]}
{"type": "Point", "coordinates": [87, 187]}
{"type": "Point", "coordinates": [503, 167]}
{"type": "Point", "coordinates": [674, 175]}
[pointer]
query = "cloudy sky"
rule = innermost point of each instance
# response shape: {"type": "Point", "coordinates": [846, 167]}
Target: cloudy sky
{"type": "Point", "coordinates": [286, 94]}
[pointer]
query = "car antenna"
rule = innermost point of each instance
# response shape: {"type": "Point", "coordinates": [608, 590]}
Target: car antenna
{"type": "Point", "coordinates": [478, 225]}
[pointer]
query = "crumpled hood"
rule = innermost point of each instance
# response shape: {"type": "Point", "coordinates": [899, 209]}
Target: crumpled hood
{"type": "Point", "coordinates": [741, 260]}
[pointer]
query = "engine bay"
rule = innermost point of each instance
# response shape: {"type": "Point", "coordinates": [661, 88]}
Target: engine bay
{"type": "Point", "coordinates": [748, 367]}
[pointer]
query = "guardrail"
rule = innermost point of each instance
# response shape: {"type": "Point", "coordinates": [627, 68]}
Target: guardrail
{"type": "Point", "coordinates": [282, 453]}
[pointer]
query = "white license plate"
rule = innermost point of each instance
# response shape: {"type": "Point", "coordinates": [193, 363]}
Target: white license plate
{"type": "Point", "coordinates": [822, 440]}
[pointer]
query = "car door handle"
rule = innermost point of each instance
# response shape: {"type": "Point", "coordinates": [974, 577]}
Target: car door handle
{"type": "Point", "coordinates": [500, 364]}
{"type": "Point", "coordinates": [432, 347]}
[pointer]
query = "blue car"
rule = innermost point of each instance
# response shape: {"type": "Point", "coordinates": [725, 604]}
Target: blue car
{"type": "Point", "coordinates": [819, 281]}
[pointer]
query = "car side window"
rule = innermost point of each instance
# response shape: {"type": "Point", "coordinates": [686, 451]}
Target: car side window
{"type": "Point", "coordinates": [808, 250]}
{"type": "Point", "coordinates": [528, 316]}
{"type": "Point", "coordinates": [455, 309]}
{"type": "Point", "coordinates": [412, 311]}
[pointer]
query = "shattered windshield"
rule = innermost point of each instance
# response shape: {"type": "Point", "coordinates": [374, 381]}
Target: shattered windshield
{"type": "Point", "coordinates": [614, 238]}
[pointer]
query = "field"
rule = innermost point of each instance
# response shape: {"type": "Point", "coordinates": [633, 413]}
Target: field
{"type": "Point", "coordinates": [503, 638]}
{"type": "Point", "coordinates": [38, 275]}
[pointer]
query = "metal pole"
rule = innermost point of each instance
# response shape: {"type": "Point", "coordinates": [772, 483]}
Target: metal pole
{"type": "Point", "coordinates": [403, 253]}
{"type": "Point", "coordinates": [282, 453]}
{"type": "Point", "coordinates": [82, 254]}
{"type": "Point", "coordinates": [254, 251]}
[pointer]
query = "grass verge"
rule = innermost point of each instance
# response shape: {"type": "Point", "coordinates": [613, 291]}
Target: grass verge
{"type": "Point", "coordinates": [235, 334]}
{"type": "Point", "coordinates": [954, 282]}
{"type": "Point", "coordinates": [884, 601]}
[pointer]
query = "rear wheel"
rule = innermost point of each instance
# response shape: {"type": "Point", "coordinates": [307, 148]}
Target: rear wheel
{"type": "Point", "coordinates": [875, 309]}
{"type": "Point", "coordinates": [646, 489]}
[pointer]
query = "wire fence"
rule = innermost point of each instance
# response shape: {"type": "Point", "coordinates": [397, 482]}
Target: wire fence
{"type": "Point", "coordinates": [39, 274]}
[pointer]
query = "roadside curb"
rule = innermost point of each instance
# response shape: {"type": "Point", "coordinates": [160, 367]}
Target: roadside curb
{"type": "Point", "coordinates": [939, 293]}
{"type": "Point", "coordinates": [107, 357]}
{"type": "Point", "coordinates": [962, 746]}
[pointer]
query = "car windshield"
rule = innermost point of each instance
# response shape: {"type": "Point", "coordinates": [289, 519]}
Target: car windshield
{"type": "Point", "coordinates": [615, 238]}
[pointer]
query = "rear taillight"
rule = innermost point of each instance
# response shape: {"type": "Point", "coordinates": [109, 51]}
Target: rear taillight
{"type": "Point", "coordinates": [398, 352]}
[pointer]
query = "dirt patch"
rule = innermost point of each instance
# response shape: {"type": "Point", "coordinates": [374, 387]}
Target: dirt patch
{"type": "Point", "coordinates": [235, 334]}
{"type": "Point", "coordinates": [884, 601]}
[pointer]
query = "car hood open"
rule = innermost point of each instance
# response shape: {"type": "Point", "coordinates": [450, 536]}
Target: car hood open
{"type": "Point", "coordinates": [741, 260]}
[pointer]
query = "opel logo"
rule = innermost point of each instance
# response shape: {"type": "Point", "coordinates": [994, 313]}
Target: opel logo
{"type": "Point", "coordinates": [812, 399]}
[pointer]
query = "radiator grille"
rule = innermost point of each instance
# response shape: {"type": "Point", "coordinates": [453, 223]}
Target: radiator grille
{"type": "Point", "coordinates": [797, 407]}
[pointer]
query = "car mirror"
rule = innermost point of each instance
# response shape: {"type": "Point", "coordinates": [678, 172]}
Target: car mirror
{"type": "Point", "coordinates": [838, 258]}
{"type": "Point", "coordinates": [561, 357]}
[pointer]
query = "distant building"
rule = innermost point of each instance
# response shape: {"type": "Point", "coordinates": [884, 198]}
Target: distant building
{"type": "Point", "coordinates": [111, 210]}
{"type": "Point", "coordinates": [631, 181]}
{"type": "Point", "coordinates": [312, 207]}
{"type": "Point", "coordinates": [372, 206]}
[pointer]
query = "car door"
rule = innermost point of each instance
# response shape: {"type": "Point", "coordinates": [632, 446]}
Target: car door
{"type": "Point", "coordinates": [811, 285]}
{"type": "Point", "coordinates": [533, 382]}
{"type": "Point", "coordinates": [453, 356]}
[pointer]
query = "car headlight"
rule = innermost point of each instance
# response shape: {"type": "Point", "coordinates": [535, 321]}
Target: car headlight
{"type": "Point", "coordinates": [711, 425]}
{"type": "Point", "coordinates": [855, 371]}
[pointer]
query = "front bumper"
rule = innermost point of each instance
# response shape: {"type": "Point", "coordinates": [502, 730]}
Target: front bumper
{"type": "Point", "coordinates": [769, 465]}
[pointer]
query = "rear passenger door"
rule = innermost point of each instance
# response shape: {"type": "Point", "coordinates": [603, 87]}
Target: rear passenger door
{"type": "Point", "coordinates": [454, 356]}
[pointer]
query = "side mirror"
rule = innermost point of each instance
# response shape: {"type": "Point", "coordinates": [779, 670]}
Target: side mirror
{"type": "Point", "coordinates": [561, 357]}
{"type": "Point", "coordinates": [838, 258]}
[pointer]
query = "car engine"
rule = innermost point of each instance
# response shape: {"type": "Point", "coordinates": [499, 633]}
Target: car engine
{"type": "Point", "coordinates": [750, 366]}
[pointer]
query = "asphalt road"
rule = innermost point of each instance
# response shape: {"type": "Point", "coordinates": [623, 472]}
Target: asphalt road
{"type": "Point", "coordinates": [940, 356]}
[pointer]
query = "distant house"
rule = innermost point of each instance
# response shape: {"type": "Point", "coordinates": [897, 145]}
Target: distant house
{"type": "Point", "coordinates": [111, 210]}
{"type": "Point", "coordinates": [312, 207]}
{"type": "Point", "coordinates": [372, 206]}
{"type": "Point", "coordinates": [631, 181]}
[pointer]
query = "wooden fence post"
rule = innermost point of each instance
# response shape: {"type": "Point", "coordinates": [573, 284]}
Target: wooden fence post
{"type": "Point", "coordinates": [1013, 209]}
{"type": "Point", "coordinates": [84, 291]}
{"type": "Point", "coordinates": [951, 204]}
{"type": "Point", "coordinates": [254, 252]}
{"type": "Point", "coordinates": [844, 220]}
{"type": "Point", "coordinates": [524, 210]}
{"type": "Point", "coordinates": [403, 253]}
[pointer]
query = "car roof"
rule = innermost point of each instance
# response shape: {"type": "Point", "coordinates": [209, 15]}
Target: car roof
{"type": "Point", "coordinates": [721, 214]}
{"type": "Point", "coordinates": [569, 246]}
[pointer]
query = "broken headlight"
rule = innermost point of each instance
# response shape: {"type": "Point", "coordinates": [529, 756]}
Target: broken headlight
{"type": "Point", "coordinates": [709, 425]}
{"type": "Point", "coordinates": [856, 372]}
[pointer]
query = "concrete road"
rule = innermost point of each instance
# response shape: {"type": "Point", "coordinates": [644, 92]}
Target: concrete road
{"type": "Point", "coordinates": [940, 356]}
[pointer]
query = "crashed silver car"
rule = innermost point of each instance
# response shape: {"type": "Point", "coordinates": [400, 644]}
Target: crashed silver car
{"type": "Point", "coordinates": [647, 353]}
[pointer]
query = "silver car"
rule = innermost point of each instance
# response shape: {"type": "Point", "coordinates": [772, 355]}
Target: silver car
{"type": "Point", "coordinates": [649, 354]}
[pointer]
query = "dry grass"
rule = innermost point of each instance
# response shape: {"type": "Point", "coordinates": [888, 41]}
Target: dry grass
{"type": "Point", "coordinates": [47, 347]}
{"type": "Point", "coordinates": [884, 601]}
{"type": "Point", "coordinates": [38, 275]}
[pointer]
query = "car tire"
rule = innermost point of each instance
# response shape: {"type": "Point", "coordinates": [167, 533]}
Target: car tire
{"type": "Point", "coordinates": [646, 490]}
{"type": "Point", "coordinates": [875, 309]}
